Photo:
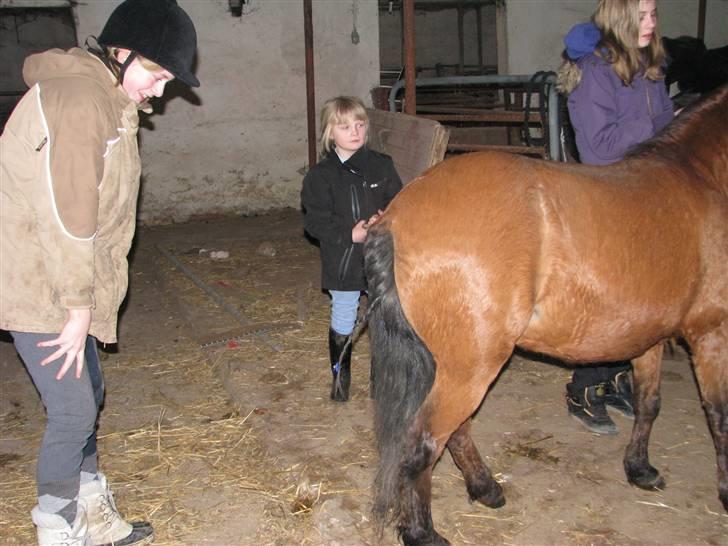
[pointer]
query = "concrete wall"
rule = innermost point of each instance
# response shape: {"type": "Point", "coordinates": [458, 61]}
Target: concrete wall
{"type": "Point", "coordinates": [535, 28]}
{"type": "Point", "coordinates": [436, 38]}
{"type": "Point", "coordinates": [243, 148]}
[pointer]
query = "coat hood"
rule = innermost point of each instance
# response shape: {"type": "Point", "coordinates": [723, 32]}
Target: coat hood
{"type": "Point", "coordinates": [56, 63]}
{"type": "Point", "coordinates": [580, 41]}
{"type": "Point", "coordinates": [76, 62]}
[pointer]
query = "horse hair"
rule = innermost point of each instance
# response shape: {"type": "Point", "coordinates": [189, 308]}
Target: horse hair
{"type": "Point", "coordinates": [404, 370]}
{"type": "Point", "coordinates": [691, 125]}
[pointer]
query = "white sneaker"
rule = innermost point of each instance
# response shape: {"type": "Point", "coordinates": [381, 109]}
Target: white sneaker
{"type": "Point", "coordinates": [54, 530]}
{"type": "Point", "coordinates": [105, 524]}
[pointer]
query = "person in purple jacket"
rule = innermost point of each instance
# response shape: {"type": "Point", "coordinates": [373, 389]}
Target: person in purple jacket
{"type": "Point", "coordinates": [617, 99]}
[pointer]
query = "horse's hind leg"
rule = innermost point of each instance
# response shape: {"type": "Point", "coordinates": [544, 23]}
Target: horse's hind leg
{"type": "Point", "coordinates": [479, 482]}
{"type": "Point", "coordinates": [710, 361]}
{"type": "Point", "coordinates": [646, 408]}
{"type": "Point", "coordinates": [416, 527]}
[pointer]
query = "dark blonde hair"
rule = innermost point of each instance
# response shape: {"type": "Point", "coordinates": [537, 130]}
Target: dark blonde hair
{"type": "Point", "coordinates": [619, 23]}
{"type": "Point", "coordinates": [339, 110]}
{"type": "Point", "coordinates": [115, 67]}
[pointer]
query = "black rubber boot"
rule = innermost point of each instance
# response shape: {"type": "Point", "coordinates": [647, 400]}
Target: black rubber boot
{"type": "Point", "coordinates": [619, 393]}
{"type": "Point", "coordinates": [588, 405]}
{"type": "Point", "coordinates": [341, 370]}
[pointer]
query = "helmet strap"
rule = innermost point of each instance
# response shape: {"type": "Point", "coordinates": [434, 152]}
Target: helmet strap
{"type": "Point", "coordinates": [127, 62]}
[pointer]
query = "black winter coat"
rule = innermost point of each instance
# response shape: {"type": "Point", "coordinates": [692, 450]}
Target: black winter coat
{"type": "Point", "coordinates": [335, 197]}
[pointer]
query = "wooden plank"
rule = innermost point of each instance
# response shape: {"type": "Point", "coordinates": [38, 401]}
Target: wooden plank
{"type": "Point", "coordinates": [46, 4]}
{"type": "Point", "coordinates": [414, 143]}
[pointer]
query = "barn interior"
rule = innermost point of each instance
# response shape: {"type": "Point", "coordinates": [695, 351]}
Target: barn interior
{"type": "Point", "coordinates": [217, 423]}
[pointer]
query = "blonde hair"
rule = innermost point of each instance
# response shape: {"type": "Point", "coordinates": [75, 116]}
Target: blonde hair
{"type": "Point", "coordinates": [339, 110]}
{"type": "Point", "coordinates": [115, 67]}
{"type": "Point", "coordinates": [619, 23]}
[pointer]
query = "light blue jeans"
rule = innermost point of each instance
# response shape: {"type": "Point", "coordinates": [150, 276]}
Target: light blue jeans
{"type": "Point", "coordinates": [344, 306]}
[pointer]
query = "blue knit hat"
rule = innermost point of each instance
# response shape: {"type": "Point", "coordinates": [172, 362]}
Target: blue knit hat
{"type": "Point", "coordinates": [582, 40]}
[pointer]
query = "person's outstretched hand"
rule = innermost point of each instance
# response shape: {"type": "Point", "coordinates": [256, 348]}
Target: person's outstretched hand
{"type": "Point", "coordinates": [70, 342]}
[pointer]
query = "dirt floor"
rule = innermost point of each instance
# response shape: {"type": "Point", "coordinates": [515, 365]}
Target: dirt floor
{"type": "Point", "coordinates": [238, 442]}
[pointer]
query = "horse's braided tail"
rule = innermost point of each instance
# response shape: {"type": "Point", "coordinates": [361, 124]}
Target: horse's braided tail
{"type": "Point", "coordinates": [403, 371]}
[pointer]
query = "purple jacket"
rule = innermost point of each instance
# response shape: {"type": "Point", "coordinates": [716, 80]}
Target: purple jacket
{"type": "Point", "coordinates": [609, 117]}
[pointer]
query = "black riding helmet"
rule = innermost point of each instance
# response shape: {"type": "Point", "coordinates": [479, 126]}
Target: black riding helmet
{"type": "Point", "coordinates": [158, 30]}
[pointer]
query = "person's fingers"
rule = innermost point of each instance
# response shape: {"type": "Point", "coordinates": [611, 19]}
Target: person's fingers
{"type": "Point", "coordinates": [80, 358]}
{"type": "Point", "coordinates": [49, 343]}
{"type": "Point", "coordinates": [53, 357]}
{"type": "Point", "coordinates": [66, 364]}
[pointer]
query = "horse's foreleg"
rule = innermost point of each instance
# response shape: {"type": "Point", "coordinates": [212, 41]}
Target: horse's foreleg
{"type": "Point", "coordinates": [478, 479]}
{"type": "Point", "coordinates": [710, 360]}
{"type": "Point", "coordinates": [646, 408]}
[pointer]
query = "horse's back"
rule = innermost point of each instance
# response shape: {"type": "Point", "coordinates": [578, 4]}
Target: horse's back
{"type": "Point", "coordinates": [557, 257]}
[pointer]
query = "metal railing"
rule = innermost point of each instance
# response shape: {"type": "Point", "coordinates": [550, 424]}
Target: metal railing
{"type": "Point", "coordinates": [497, 81]}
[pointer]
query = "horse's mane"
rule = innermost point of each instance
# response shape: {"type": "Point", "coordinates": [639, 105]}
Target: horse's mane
{"type": "Point", "coordinates": [701, 124]}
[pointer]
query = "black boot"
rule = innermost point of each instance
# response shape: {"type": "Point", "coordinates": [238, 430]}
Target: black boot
{"type": "Point", "coordinates": [340, 369]}
{"type": "Point", "coordinates": [588, 405]}
{"type": "Point", "coordinates": [619, 393]}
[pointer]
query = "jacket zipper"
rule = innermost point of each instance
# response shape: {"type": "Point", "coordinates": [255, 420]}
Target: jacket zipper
{"type": "Point", "coordinates": [355, 213]}
{"type": "Point", "coordinates": [649, 103]}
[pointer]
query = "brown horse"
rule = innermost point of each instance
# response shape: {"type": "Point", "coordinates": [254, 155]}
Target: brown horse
{"type": "Point", "coordinates": [487, 252]}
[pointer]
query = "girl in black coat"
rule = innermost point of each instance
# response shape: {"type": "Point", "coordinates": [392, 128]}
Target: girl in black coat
{"type": "Point", "coordinates": [341, 196]}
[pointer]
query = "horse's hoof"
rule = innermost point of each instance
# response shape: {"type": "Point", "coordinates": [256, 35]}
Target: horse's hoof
{"type": "Point", "coordinates": [651, 481]}
{"type": "Point", "coordinates": [489, 494]}
{"type": "Point", "coordinates": [433, 539]}
{"type": "Point", "coordinates": [493, 503]}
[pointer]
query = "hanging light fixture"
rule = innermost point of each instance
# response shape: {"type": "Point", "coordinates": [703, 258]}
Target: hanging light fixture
{"type": "Point", "coordinates": [236, 7]}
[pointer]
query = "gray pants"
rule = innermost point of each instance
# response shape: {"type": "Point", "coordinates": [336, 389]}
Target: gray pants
{"type": "Point", "coordinates": [72, 407]}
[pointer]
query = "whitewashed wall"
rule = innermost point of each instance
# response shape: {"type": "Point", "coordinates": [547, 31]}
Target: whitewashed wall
{"type": "Point", "coordinates": [243, 148]}
{"type": "Point", "coordinates": [536, 28]}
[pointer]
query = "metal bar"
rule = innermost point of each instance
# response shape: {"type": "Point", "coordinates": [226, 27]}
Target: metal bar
{"type": "Point", "coordinates": [701, 19]}
{"type": "Point", "coordinates": [461, 80]}
{"type": "Point", "coordinates": [554, 123]}
{"type": "Point", "coordinates": [495, 117]}
{"type": "Point", "coordinates": [410, 66]}
{"type": "Point", "coordinates": [497, 79]}
{"type": "Point", "coordinates": [217, 297]}
{"type": "Point", "coordinates": [310, 82]}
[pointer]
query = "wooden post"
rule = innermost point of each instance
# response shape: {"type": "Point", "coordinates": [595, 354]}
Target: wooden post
{"type": "Point", "coordinates": [461, 40]}
{"type": "Point", "coordinates": [479, 25]}
{"type": "Point", "coordinates": [410, 67]}
{"type": "Point", "coordinates": [701, 19]}
{"type": "Point", "coordinates": [310, 81]}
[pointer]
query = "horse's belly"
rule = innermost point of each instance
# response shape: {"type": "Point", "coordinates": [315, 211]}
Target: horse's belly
{"type": "Point", "coordinates": [576, 336]}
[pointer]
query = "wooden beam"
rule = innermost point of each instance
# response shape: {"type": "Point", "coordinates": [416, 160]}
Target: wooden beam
{"type": "Point", "coordinates": [701, 19]}
{"type": "Point", "coordinates": [24, 4]}
{"type": "Point", "coordinates": [310, 81]}
{"type": "Point", "coordinates": [410, 66]}
{"type": "Point", "coordinates": [461, 40]}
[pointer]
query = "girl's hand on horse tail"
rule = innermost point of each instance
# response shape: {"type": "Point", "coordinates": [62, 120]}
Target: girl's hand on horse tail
{"type": "Point", "coordinates": [70, 342]}
{"type": "Point", "coordinates": [359, 232]}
